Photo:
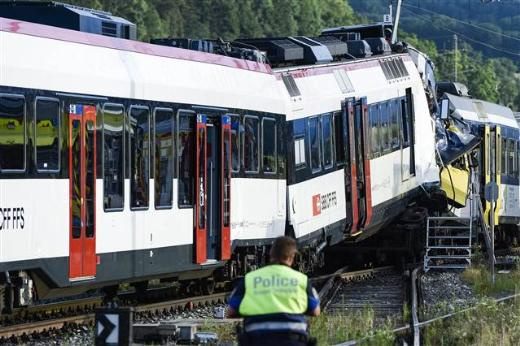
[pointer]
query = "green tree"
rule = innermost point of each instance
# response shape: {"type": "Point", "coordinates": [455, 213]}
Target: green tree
{"type": "Point", "coordinates": [426, 46]}
{"type": "Point", "coordinates": [309, 17]}
{"type": "Point", "coordinates": [336, 13]}
{"type": "Point", "coordinates": [284, 17]}
{"type": "Point", "coordinates": [508, 83]}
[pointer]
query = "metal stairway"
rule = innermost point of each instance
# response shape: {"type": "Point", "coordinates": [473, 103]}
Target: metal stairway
{"type": "Point", "coordinates": [449, 238]}
{"type": "Point", "coordinates": [448, 242]}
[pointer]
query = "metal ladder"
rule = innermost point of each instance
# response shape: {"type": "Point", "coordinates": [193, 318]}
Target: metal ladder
{"type": "Point", "coordinates": [449, 238]}
{"type": "Point", "coordinates": [448, 242]}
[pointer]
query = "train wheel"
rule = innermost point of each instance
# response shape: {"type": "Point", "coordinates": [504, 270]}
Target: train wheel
{"type": "Point", "coordinates": [6, 299]}
{"type": "Point", "coordinates": [207, 286]}
{"type": "Point", "coordinates": [110, 293]}
{"type": "Point", "coordinates": [141, 286]}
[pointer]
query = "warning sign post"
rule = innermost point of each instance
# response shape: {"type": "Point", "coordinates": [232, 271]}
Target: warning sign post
{"type": "Point", "coordinates": [114, 326]}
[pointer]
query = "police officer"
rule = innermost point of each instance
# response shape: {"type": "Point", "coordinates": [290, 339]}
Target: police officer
{"type": "Point", "coordinates": [274, 299]}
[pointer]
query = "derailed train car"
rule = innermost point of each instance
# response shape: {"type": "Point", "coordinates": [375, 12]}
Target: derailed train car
{"type": "Point", "coordinates": [122, 161]}
{"type": "Point", "coordinates": [495, 159]}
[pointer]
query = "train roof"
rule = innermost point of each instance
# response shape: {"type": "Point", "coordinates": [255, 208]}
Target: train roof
{"type": "Point", "coordinates": [56, 33]}
{"type": "Point", "coordinates": [294, 90]}
{"type": "Point", "coordinates": [340, 44]}
{"type": "Point", "coordinates": [482, 111]}
{"type": "Point", "coordinates": [69, 17]}
{"type": "Point", "coordinates": [169, 51]}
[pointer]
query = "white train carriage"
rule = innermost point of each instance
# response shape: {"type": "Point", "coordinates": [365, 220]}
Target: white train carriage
{"type": "Point", "coordinates": [126, 161]}
{"type": "Point", "coordinates": [354, 159]}
{"type": "Point", "coordinates": [102, 142]}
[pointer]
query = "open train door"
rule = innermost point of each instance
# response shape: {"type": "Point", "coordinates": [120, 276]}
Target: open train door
{"type": "Point", "coordinates": [82, 191]}
{"type": "Point", "coordinates": [405, 108]}
{"type": "Point", "coordinates": [212, 239]}
{"type": "Point", "coordinates": [359, 187]}
{"type": "Point", "coordinates": [200, 190]}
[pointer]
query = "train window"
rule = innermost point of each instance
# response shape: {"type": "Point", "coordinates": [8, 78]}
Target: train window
{"type": "Point", "coordinates": [314, 142]}
{"type": "Point", "coordinates": [299, 152]}
{"type": "Point", "coordinates": [405, 124]}
{"type": "Point", "coordinates": [338, 136]}
{"type": "Point", "coordinates": [269, 145]}
{"type": "Point", "coordinates": [186, 154]}
{"type": "Point", "coordinates": [113, 157]}
{"type": "Point", "coordinates": [503, 156]}
{"type": "Point", "coordinates": [250, 144]}
{"type": "Point", "coordinates": [384, 131]}
{"type": "Point", "coordinates": [410, 111]}
{"type": "Point", "coordinates": [90, 178]}
{"type": "Point", "coordinates": [374, 130]}
{"type": "Point", "coordinates": [163, 159]}
{"type": "Point", "coordinates": [12, 133]}
{"type": "Point", "coordinates": [235, 143]}
{"type": "Point", "coordinates": [394, 124]}
{"type": "Point", "coordinates": [75, 177]}
{"type": "Point", "coordinates": [513, 155]}
{"type": "Point", "coordinates": [47, 134]}
{"type": "Point", "coordinates": [511, 162]}
{"type": "Point", "coordinates": [517, 158]}
{"type": "Point", "coordinates": [140, 158]}
{"type": "Point", "coordinates": [326, 136]}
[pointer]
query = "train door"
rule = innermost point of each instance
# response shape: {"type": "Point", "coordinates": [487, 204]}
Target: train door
{"type": "Point", "coordinates": [498, 172]}
{"type": "Point", "coordinates": [360, 186]}
{"type": "Point", "coordinates": [491, 152]}
{"type": "Point", "coordinates": [408, 114]}
{"type": "Point", "coordinates": [400, 108]}
{"type": "Point", "coordinates": [341, 132]}
{"type": "Point", "coordinates": [82, 191]}
{"type": "Point", "coordinates": [213, 188]}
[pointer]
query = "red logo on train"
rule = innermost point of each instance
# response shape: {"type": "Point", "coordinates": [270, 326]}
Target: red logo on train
{"type": "Point", "coordinates": [316, 205]}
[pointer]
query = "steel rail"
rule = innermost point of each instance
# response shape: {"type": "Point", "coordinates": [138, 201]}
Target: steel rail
{"type": "Point", "coordinates": [353, 274]}
{"type": "Point", "coordinates": [398, 330]}
{"type": "Point", "coordinates": [41, 326]}
{"type": "Point", "coordinates": [57, 323]}
{"type": "Point", "coordinates": [427, 322]}
{"type": "Point", "coordinates": [415, 318]}
{"type": "Point", "coordinates": [446, 316]}
{"type": "Point", "coordinates": [34, 327]}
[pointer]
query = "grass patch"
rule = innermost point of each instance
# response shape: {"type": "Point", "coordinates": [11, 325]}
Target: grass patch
{"type": "Point", "coordinates": [479, 279]}
{"type": "Point", "coordinates": [226, 331]}
{"type": "Point", "coordinates": [328, 329]}
{"type": "Point", "coordinates": [333, 329]}
{"type": "Point", "coordinates": [489, 324]}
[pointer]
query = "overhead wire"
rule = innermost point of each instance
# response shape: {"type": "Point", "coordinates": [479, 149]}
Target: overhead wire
{"type": "Point", "coordinates": [462, 35]}
{"type": "Point", "coordinates": [463, 22]}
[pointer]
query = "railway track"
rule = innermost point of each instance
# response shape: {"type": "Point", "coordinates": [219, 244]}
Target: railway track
{"type": "Point", "coordinates": [380, 289]}
{"type": "Point", "coordinates": [340, 291]}
{"type": "Point", "coordinates": [140, 311]}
